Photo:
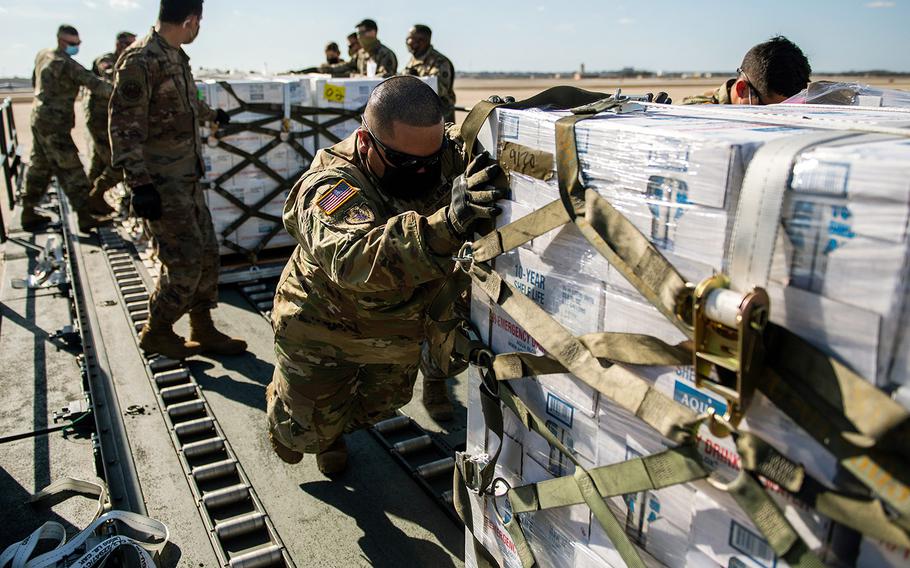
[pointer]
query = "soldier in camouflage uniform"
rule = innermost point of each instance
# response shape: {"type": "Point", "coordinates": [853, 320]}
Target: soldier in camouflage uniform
{"type": "Point", "coordinates": [376, 229]}
{"type": "Point", "coordinates": [771, 72]}
{"type": "Point", "coordinates": [154, 118]}
{"type": "Point", "coordinates": [101, 175]}
{"type": "Point", "coordinates": [427, 62]}
{"type": "Point", "coordinates": [371, 51]}
{"type": "Point", "coordinates": [57, 79]}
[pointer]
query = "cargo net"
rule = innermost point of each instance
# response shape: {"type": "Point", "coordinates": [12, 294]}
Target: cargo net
{"type": "Point", "coordinates": [253, 162]}
{"type": "Point", "coordinates": [759, 370]}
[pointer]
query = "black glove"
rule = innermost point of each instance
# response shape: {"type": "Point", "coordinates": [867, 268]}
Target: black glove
{"type": "Point", "coordinates": [496, 99]}
{"type": "Point", "coordinates": [473, 196]}
{"type": "Point", "coordinates": [663, 99]}
{"type": "Point", "coordinates": [145, 202]}
{"type": "Point", "coordinates": [222, 117]}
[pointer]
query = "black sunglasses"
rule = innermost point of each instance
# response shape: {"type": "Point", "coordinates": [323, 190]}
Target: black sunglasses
{"type": "Point", "coordinates": [398, 159]}
{"type": "Point", "coordinates": [752, 88]}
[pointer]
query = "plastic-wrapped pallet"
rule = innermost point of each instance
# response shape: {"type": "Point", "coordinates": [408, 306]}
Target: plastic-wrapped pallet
{"type": "Point", "coordinates": [837, 279]}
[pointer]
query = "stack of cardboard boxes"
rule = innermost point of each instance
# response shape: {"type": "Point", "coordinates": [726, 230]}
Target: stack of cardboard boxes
{"type": "Point", "coordinates": [837, 279]}
{"type": "Point", "coordinates": [256, 188]}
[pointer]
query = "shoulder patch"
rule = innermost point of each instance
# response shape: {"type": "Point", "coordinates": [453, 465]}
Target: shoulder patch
{"type": "Point", "coordinates": [338, 195]}
{"type": "Point", "coordinates": [131, 90]}
{"type": "Point", "coordinates": [359, 214]}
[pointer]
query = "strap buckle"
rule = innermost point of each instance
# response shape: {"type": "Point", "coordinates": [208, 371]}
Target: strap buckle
{"type": "Point", "coordinates": [465, 257]}
{"type": "Point", "coordinates": [729, 345]}
{"type": "Point", "coordinates": [617, 103]}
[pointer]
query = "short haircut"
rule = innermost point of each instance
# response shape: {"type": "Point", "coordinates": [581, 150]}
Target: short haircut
{"type": "Point", "coordinates": [423, 30]}
{"type": "Point", "coordinates": [777, 66]}
{"type": "Point", "coordinates": [67, 29]}
{"type": "Point", "coordinates": [125, 36]}
{"type": "Point", "coordinates": [352, 35]}
{"type": "Point", "coordinates": [402, 99]}
{"type": "Point", "coordinates": [331, 46]}
{"type": "Point", "coordinates": [369, 25]}
{"type": "Point", "coordinates": [176, 11]}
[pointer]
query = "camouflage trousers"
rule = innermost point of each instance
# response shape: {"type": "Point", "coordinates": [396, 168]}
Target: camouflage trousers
{"type": "Point", "coordinates": [185, 241]}
{"type": "Point", "coordinates": [54, 154]}
{"type": "Point", "coordinates": [316, 403]}
{"type": "Point", "coordinates": [101, 174]}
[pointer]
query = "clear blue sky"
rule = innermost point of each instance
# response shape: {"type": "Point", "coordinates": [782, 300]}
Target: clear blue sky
{"type": "Point", "coordinates": [535, 35]}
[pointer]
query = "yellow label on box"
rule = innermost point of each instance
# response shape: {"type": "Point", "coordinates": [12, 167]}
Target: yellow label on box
{"type": "Point", "coordinates": [333, 93]}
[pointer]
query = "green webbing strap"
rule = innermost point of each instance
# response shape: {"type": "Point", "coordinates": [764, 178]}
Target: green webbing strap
{"type": "Point", "coordinates": [629, 391]}
{"type": "Point", "coordinates": [520, 231]}
{"type": "Point", "coordinates": [561, 97]}
{"type": "Point", "coordinates": [627, 348]}
{"type": "Point", "coordinates": [582, 479]}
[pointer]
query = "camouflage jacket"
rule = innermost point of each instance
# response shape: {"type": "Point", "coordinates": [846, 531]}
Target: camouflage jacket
{"type": "Point", "coordinates": [96, 105]}
{"type": "Point", "coordinates": [155, 113]}
{"type": "Point", "coordinates": [57, 79]}
{"type": "Point", "coordinates": [719, 96]}
{"type": "Point", "coordinates": [432, 63]}
{"type": "Point", "coordinates": [364, 270]}
{"type": "Point", "coordinates": [386, 63]}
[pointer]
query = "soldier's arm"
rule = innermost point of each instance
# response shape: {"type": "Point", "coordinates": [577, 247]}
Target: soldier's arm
{"type": "Point", "coordinates": [204, 111]}
{"type": "Point", "coordinates": [128, 118]}
{"type": "Point", "coordinates": [388, 67]}
{"type": "Point", "coordinates": [343, 69]}
{"type": "Point", "coordinates": [357, 253]}
{"type": "Point", "coordinates": [87, 79]}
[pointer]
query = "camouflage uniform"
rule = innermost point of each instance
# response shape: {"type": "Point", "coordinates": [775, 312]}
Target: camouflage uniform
{"type": "Point", "coordinates": [57, 80]}
{"type": "Point", "coordinates": [719, 96]}
{"type": "Point", "coordinates": [349, 312]}
{"type": "Point", "coordinates": [96, 122]}
{"type": "Point", "coordinates": [430, 64]}
{"type": "Point", "coordinates": [386, 63]}
{"type": "Point", "coordinates": [154, 117]}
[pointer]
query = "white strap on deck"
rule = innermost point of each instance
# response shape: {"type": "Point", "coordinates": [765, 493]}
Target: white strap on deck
{"type": "Point", "coordinates": [90, 547]}
{"type": "Point", "coordinates": [760, 203]}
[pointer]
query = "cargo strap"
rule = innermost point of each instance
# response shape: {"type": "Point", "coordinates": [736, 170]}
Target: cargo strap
{"type": "Point", "coordinates": [630, 252]}
{"type": "Point", "coordinates": [272, 113]}
{"type": "Point", "coordinates": [142, 536]}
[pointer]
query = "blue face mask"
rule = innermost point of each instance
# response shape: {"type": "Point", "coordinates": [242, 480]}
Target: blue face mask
{"type": "Point", "coordinates": [72, 50]}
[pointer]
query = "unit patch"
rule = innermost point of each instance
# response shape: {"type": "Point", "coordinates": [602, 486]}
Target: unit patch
{"type": "Point", "coordinates": [131, 90]}
{"type": "Point", "coordinates": [337, 196]}
{"type": "Point", "coordinates": [359, 215]}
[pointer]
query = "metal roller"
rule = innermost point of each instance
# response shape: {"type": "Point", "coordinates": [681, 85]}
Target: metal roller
{"type": "Point", "coordinates": [203, 447]}
{"type": "Point", "coordinates": [129, 290]}
{"type": "Point", "coordinates": [161, 363]}
{"type": "Point", "coordinates": [214, 470]}
{"type": "Point", "coordinates": [434, 468]}
{"type": "Point", "coordinates": [226, 496]}
{"type": "Point", "coordinates": [142, 316]}
{"type": "Point", "coordinates": [135, 297]}
{"type": "Point", "coordinates": [170, 377]}
{"type": "Point", "coordinates": [191, 427]}
{"type": "Point", "coordinates": [262, 296]}
{"type": "Point", "coordinates": [185, 408]}
{"type": "Point", "coordinates": [392, 424]}
{"type": "Point", "coordinates": [239, 526]}
{"type": "Point", "coordinates": [253, 288]}
{"type": "Point", "coordinates": [258, 558]}
{"type": "Point", "coordinates": [170, 393]}
{"type": "Point", "coordinates": [413, 445]}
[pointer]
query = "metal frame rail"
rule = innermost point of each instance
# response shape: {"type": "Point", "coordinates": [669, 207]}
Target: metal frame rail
{"type": "Point", "coordinates": [240, 530]}
{"type": "Point", "coordinates": [119, 471]}
{"type": "Point", "coordinates": [12, 164]}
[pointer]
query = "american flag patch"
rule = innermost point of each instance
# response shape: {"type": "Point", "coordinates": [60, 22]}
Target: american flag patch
{"type": "Point", "coordinates": [334, 198]}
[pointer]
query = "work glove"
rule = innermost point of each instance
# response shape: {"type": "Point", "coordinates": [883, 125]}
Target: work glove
{"type": "Point", "coordinates": [662, 98]}
{"type": "Point", "coordinates": [473, 196]}
{"type": "Point", "coordinates": [222, 117]}
{"type": "Point", "coordinates": [496, 99]}
{"type": "Point", "coordinates": [146, 202]}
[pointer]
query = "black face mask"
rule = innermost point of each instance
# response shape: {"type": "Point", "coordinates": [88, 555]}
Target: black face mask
{"type": "Point", "coordinates": [409, 183]}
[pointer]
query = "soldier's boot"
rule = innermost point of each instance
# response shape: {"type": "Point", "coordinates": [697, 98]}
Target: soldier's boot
{"type": "Point", "coordinates": [88, 220]}
{"type": "Point", "coordinates": [32, 220]}
{"type": "Point", "coordinates": [157, 337]}
{"type": "Point", "coordinates": [333, 459]}
{"type": "Point", "coordinates": [437, 401]}
{"type": "Point", "coordinates": [97, 205]}
{"type": "Point", "coordinates": [202, 331]}
{"type": "Point", "coordinates": [286, 454]}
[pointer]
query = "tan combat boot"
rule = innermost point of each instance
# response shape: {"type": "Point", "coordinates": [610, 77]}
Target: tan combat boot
{"type": "Point", "coordinates": [286, 454]}
{"type": "Point", "coordinates": [32, 220]}
{"type": "Point", "coordinates": [202, 330]}
{"type": "Point", "coordinates": [160, 338]}
{"type": "Point", "coordinates": [97, 205]}
{"type": "Point", "coordinates": [88, 220]}
{"type": "Point", "coordinates": [436, 400]}
{"type": "Point", "coordinates": [334, 459]}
